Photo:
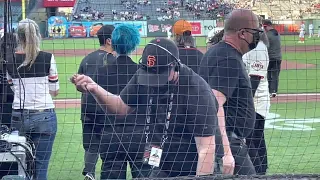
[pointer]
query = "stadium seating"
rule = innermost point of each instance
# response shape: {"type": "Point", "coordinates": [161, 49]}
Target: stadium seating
{"type": "Point", "coordinates": [275, 9]}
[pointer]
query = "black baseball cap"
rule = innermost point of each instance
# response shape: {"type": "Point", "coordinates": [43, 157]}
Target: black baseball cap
{"type": "Point", "coordinates": [104, 33]}
{"type": "Point", "coordinates": [266, 22]}
{"type": "Point", "coordinates": [157, 61]}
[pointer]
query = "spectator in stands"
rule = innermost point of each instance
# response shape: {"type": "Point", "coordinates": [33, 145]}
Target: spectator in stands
{"type": "Point", "coordinates": [275, 56]}
{"type": "Point", "coordinates": [33, 113]}
{"type": "Point", "coordinates": [92, 116]}
{"type": "Point", "coordinates": [189, 54]}
{"type": "Point", "coordinates": [222, 67]}
{"type": "Point", "coordinates": [179, 108]}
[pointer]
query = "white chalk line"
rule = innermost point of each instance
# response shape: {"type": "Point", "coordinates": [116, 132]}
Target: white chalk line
{"type": "Point", "coordinates": [279, 95]}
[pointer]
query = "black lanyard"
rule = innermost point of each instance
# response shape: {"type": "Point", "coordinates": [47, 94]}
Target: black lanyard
{"type": "Point", "coordinates": [167, 123]}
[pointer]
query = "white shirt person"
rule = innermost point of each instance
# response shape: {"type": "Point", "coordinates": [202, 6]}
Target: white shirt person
{"type": "Point", "coordinates": [257, 62]}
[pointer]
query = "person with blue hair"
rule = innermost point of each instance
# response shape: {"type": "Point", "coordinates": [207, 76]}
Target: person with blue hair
{"type": "Point", "coordinates": [93, 117]}
{"type": "Point", "coordinates": [125, 39]}
{"type": "Point", "coordinates": [129, 129]}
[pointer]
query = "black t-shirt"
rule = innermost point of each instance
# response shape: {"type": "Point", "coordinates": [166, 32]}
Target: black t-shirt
{"type": "Point", "coordinates": [222, 67]}
{"type": "Point", "coordinates": [113, 78]}
{"type": "Point", "coordinates": [89, 66]}
{"type": "Point", "coordinates": [194, 114]}
{"type": "Point", "coordinates": [190, 57]}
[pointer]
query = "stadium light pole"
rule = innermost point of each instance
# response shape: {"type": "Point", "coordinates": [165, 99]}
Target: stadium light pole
{"type": "Point", "coordinates": [23, 8]}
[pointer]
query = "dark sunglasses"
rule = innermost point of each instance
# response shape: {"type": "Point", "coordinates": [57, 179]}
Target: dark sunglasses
{"type": "Point", "coordinates": [251, 29]}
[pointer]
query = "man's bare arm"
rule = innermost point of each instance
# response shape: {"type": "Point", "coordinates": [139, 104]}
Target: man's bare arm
{"type": "Point", "coordinates": [110, 103]}
{"type": "Point", "coordinates": [206, 155]}
{"type": "Point", "coordinates": [228, 166]}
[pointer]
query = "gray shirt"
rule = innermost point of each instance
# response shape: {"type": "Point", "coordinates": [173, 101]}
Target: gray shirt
{"type": "Point", "coordinates": [274, 49]}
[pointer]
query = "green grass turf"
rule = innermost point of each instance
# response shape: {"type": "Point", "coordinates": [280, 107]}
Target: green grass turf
{"type": "Point", "coordinates": [302, 80]}
{"type": "Point", "coordinates": [92, 43]}
{"type": "Point", "coordinates": [291, 81]}
{"type": "Point", "coordinates": [288, 151]}
{"type": "Point", "coordinates": [295, 151]}
{"type": "Point", "coordinates": [293, 41]}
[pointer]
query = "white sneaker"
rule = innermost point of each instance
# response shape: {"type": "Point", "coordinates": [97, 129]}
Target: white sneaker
{"type": "Point", "coordinates": [89, 177]}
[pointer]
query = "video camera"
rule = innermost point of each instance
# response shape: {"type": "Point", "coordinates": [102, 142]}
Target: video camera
{"type": "Point", "coordinates": [17, 160]}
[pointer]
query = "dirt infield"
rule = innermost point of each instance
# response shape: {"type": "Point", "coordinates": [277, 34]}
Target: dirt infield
{"type": "Point", "coordinates": [309, 48]}
{"type": "Point", "coordinates": [282, 98]}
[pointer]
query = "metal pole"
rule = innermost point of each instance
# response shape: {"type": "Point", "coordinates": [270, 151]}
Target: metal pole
{"type": "Point", "coordinates": [23, 6]}
{"type": "Point", "coordinates": [5, 42]}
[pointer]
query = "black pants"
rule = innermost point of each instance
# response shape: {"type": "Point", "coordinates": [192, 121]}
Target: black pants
{"type": "Point", "coordinates": [115, 156]}
{"type": "Point", "coordinates": [240, 152]}
{"type": "Point", "coordinates": [273, 74]}
{"type": "Point", "coordinates": [257, 146]}
{"type": "Point", "coordinates": [91, 137]}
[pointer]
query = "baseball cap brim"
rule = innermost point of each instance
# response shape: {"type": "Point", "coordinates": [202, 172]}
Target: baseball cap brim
{"type": "Point", "coordinates": [153, 79]}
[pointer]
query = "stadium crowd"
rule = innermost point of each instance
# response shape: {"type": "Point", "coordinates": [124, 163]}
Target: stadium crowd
{"type": "Point", "coordinates": [198, 9]}
{"type": "Point", "coordinates": [134, 10]}
{"type": "Point", "coordinates": [88, 14]}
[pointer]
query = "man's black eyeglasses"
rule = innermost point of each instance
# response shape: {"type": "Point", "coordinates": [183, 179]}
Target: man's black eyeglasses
{"type": "Point", "coordinates": [251, 29]}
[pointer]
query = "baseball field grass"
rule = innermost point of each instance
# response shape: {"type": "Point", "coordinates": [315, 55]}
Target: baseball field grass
{"type": "Point", "coordinates": [91, 43]}
{"type": "Point", "coordinates": [291, 81]}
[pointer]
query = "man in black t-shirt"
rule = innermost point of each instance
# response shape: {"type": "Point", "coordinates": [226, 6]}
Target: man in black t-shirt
{"type": "Point", "coordinates": [92, 116]}
{"type": "Point", "coordinates": [222, 67]}
{"type": "Point", "coordinates": [275, 56]}
{"type": "Point", "coordinates": [179, 108]}
{"type": "Point", "coordinates": [189, 54]}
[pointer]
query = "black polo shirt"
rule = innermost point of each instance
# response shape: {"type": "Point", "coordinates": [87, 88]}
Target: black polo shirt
{"type": "Point", "coordinates": [89, 66]}
{"type": "Point", "coordinates": [222, 67]}
{"type": "Point", "coordinates": [190, 57]}
{"type": "Point", "coordinates": [194, 114]}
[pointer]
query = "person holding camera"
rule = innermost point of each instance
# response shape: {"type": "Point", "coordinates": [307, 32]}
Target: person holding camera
{"type": "Point", "coordinates": [33, 75]}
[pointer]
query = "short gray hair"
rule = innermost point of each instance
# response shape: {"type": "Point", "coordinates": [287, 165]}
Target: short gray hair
{"type": "Point", "coordinates": [29, 39]}
{"type": "Point", "coordinates": [181, 40]}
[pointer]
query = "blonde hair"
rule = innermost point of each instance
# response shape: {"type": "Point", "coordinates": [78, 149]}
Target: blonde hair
{"type": "Point", "coordinates": [29, 40]}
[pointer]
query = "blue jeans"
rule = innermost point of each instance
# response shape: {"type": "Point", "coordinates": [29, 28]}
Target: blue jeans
{"type": "Point", "coordinates": [41, 128]}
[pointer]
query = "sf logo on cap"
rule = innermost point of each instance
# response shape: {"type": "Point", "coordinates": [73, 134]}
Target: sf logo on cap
{"type": "Point", "coordinates": [151, 61]}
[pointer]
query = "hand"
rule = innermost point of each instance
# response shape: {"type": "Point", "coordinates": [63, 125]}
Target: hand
{"type": "Point", "coordinates": [83, 83]}
{"type": "Point", "coordinates": [114, 53]}
{"type": "Point", "coordinates": [228, 164]}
